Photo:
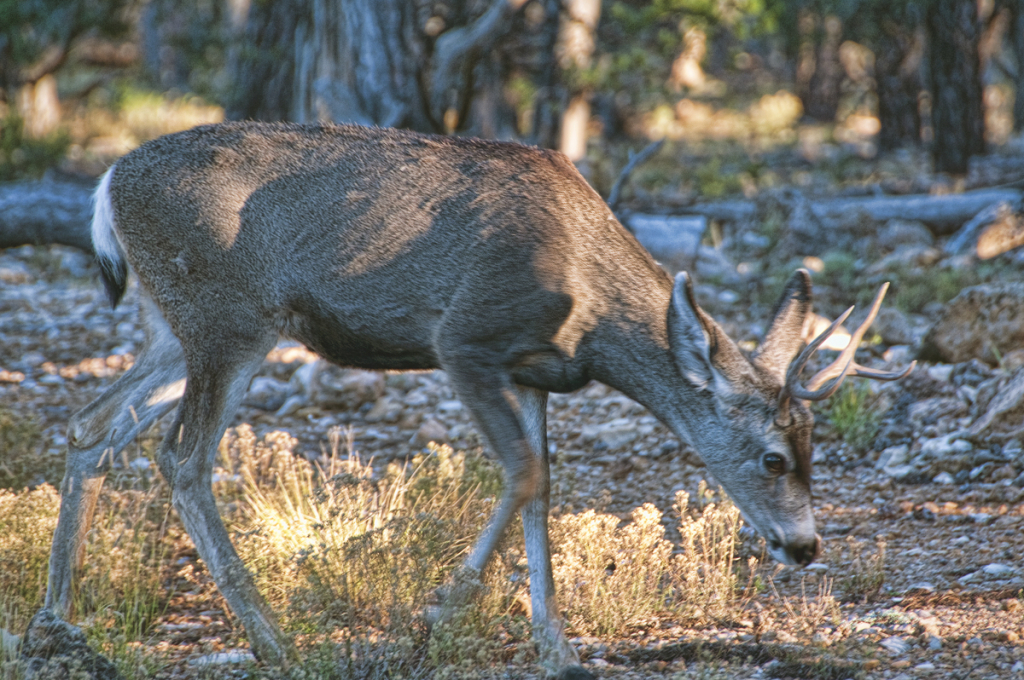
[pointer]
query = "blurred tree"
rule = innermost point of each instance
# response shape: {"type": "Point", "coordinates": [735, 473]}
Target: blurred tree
{"type": "Point", "coordinates": [954, 31]}
{"type": "Point", "coordinates": [36, 35]}
{"type": "Point", "coordinates": [1015, 33]}
{"type": "Point", "coordinates": [812, 32]}
{"type": "Point", "coordinates": [432, 66]}
{"type": "Point", "coordinates": [184, 42]}
{"type": "Point", "coordinates": [819, 72]}
{"type": "Point", "coordinates": [892, 30]}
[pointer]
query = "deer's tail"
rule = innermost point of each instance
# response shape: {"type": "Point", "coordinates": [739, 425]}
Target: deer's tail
{"type": "Point", "coordinates": [109, 253]}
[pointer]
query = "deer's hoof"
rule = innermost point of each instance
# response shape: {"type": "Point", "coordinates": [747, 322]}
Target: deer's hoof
{"type": "Point", "coordinates": [432, 614]}
{"type": "Point", "coordinates": [575, 672]}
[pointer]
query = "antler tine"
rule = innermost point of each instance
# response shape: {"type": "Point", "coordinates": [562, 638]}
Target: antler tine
{"type": "Point", "coordinates": [797, 365]}
{"type": "Point", "coordinates": [825, 383]}
{"type": "Point", "coordinates": [844, 362]}
{"type": "Point", "coordinates": [792, 388]}
{"type": "Point", "coordinates": [877, 374]}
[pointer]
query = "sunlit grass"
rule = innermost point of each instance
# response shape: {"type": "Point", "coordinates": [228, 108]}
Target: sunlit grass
{"type": "Point", "coordinates": [350, 554]}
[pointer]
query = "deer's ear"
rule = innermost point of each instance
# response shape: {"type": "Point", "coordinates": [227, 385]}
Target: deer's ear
{"type": "Point", "coordinates": [701, 348]}
{"type": "Point", "coordinates": [785, 336]}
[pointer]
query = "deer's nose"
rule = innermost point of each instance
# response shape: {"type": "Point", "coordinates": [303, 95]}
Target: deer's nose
{"type": "Point", "coordinates": [804, 553]}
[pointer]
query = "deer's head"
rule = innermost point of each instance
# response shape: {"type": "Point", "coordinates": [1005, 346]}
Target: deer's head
{"type": "Point", "coordinates": [751, 422]}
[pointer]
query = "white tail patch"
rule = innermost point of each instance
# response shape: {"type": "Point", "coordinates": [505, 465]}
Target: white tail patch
{"type": "Point", "coordinates": [109, 253]}
{"type": "Point", "coordinates": [104, 242]}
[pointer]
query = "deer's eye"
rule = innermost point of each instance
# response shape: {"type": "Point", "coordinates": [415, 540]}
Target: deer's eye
{"type": "Point", "coordinates": [774, 463]}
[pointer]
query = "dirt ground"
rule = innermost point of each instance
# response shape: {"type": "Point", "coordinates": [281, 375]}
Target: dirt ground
{"type": "Point", "coordinates": [951, 605]}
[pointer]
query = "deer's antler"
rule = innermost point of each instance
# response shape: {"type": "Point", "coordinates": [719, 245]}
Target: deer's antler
{"type": "Point", "coordinates": [826, 381]}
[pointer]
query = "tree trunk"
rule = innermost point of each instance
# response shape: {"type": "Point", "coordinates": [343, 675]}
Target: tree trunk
{"type": "Point", "coordinates": [1016, 35]}
{"type": "Point", "coordinates": [954, 31]}
{"type": "Point", "coordinates": [375, 62]}
{"type": "Point", "coordinates": [545, 105]}
{"type": "Point", "coordinates": [898, 81]}
{"type": "Point", "coordinates": [819, 72]}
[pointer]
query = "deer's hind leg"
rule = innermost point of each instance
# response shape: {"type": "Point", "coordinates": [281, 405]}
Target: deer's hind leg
{"type": "Point", "coordinates": [220, 366]}
{"type": "Point", "coordinates": [99, 432]}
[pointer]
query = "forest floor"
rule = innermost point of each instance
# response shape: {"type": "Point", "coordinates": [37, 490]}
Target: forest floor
{"type": "Point", "coordinates": [921, 575]}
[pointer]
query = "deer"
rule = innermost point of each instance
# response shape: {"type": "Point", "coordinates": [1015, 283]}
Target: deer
{"type": "Point", "coordinates": [390, 250]}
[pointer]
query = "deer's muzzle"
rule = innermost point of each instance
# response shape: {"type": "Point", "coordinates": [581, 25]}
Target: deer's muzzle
{"type": "Point", "coordinates": [799, 552]}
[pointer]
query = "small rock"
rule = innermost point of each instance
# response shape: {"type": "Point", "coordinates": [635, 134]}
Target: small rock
{"type": "Point", "coordinates": [1002, 473]}
{"type": "Point", "coordinates": [926, 667]}
{"type": "Point", "coordinates": [940, 372]}
{"type": "Point", "coordinates": [230, 656]}
{"type": "Point", "coordinates": [921, 587]}
{"type": "Point", "coordinates": [140, 463]}
{"type": "Point", "coordinates": [386, 409]}
{"type": "Point", "coordinates": [895, 645]}
{"type": "Point", "coordinates": [672, 240]}
{"type": "Point", "coordinates": [14, 272]}
{"type": "Point", "coordinates": [934, 643]}
{"type": "Point", "coordinates": [899, 472]}
{"type": "Point", "coordinates": [53, 648]}
{"type": "Point", "coordinates": [268, 394]}
{"type": "Point", "coordinates": [348, 388]}
{"type": "Point", "coordinates": [429, 431]}
{"type": "Point", "coordinates": [894, 327]}
{"type": "Point", "coordinates": [980, 471]}
{"type": "Point", "coordinates": [612, 435]}
{"type": "Point", "coordinates": [894, 455]}
{"type": "Point", "coordinates": [975, 322]}
{"type": "Point", "coordinates": [898, 354]}
{"type": "Point", "coordinates": [450, 407]}
{"type": "Point", "coordinates": [943, 478]}
{"type": "Point", "coordinates": [998, 571]}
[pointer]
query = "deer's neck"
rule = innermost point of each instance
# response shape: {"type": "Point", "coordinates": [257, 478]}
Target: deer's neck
{"type": "Point", "coordinates": [631, 353]}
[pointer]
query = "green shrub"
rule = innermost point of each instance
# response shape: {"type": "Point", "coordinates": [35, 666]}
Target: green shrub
{"type": "Point", "coordinates": [22, 157]}
{"type": "Point", "coordinates": [853, 415]}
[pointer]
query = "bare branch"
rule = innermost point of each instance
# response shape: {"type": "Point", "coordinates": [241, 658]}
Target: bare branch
{"type": "Point", "coordinates": [635, 160]}
{"type": "Point", "coordinates": [457, 50]}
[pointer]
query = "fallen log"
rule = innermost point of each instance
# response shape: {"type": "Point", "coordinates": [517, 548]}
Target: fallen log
{"type": "Point", "coordinates": [943, 214]}
{"type": "Point", "coordinates": [48, 211]}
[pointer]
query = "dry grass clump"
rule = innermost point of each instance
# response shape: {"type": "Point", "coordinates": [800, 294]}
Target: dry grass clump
{"type": "Point", "coordinates": [339, 548]}
{"type": "Point", "coordinates": [27, 521]}
{"type": "Point", "coordinates": [19, 456]}
{"type": "Point", "coordinates": [613, 578]}
{"type": "Point", "coordinates": [609, 578]}
{"type": "Point", "coordinates": [120, 593]}
{"type": "Point", "coordinates": [863, 574]}
{"type": "Point", "coordinates": [351, 555]}
{"type": "Point", "coordinates": [355, 555]}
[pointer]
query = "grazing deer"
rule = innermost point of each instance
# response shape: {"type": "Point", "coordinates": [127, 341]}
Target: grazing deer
{"type": "Point", "coordinates": [383, 249]}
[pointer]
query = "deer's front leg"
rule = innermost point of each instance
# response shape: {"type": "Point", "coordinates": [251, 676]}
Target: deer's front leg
{"type": "Point", "coordinates": [556, 654]}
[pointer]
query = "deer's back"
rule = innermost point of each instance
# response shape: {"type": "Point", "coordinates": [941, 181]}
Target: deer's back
{"type": "Point", "coordinates": [358, 241]}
